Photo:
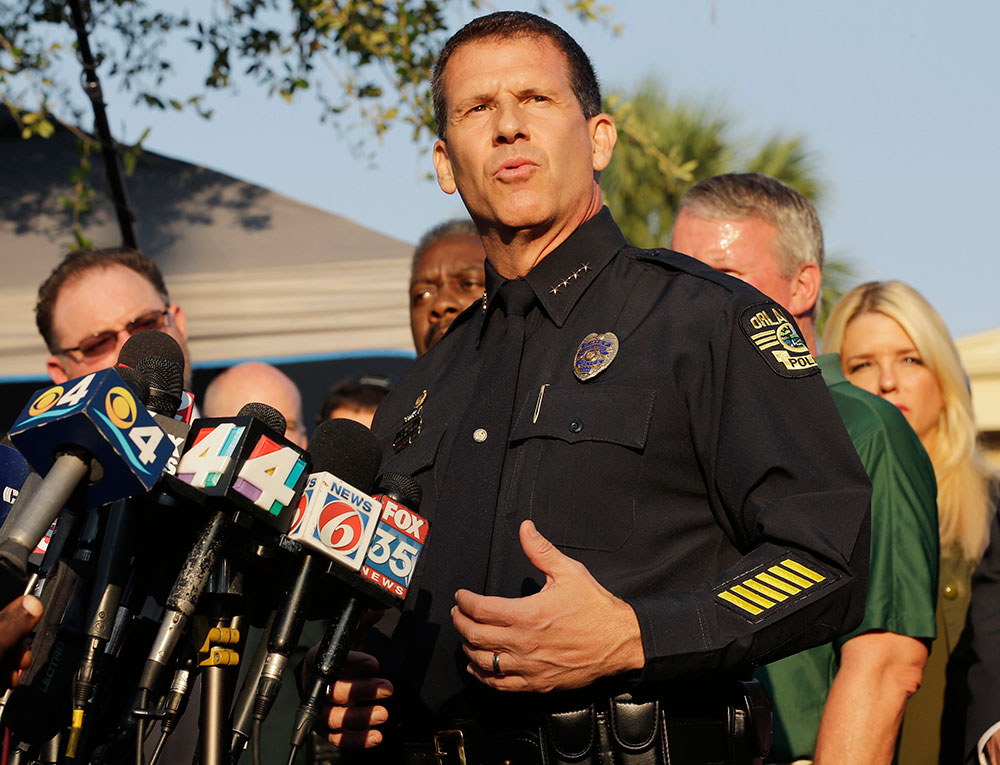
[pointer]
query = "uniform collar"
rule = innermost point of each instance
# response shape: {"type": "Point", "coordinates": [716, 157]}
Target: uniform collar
{"type": "Point", "coordinates": [562, 276]}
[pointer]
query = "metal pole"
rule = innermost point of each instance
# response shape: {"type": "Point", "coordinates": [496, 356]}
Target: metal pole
{"type": "Point", "coordinates": [92, 87]}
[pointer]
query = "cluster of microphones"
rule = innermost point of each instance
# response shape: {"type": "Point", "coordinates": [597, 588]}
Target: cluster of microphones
{"type": "Point", "coordinates": [154, 541]}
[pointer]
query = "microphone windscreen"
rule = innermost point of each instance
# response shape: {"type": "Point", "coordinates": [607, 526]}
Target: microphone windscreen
{"type": "Point", "coordinates": [403, 486]}
{"type": "Point", "coordinates": [266, 414]}
{"type": "Point", "coordinates": [136, 381]}
{"type": "Point", "coordinates": [150, 343]}
{"type": "Point", "coordinates": [347, 449]}
{"type": "Point", "coordinates": [166, 383]}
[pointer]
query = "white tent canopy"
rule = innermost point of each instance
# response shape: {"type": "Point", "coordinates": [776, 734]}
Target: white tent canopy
{"type": "Point", "coordinates": [259, 275]}
{"type": "Point", "coordinates": [981, 358]}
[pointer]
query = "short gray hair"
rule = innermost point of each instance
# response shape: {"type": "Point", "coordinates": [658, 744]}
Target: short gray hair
{"type": "Point", "coordinates": [737, 196]}
{"type": "Point", "coordinates": [456, 227]}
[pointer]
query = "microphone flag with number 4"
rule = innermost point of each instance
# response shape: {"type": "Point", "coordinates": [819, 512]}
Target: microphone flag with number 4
{"type": "Point", "coordinates": [101, 414]}
{"type": "Point", "coordinates": [242, 463]}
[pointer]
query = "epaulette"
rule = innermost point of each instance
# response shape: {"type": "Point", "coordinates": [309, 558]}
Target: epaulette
{"type": "Point", "coordinates": [677, 261]}
{"type": "Point", "coordinates": [767, 326]}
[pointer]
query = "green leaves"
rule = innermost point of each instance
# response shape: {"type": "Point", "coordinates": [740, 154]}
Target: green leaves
{"type": "Point", "coordinates": [365, 62]}
{"type": "Point", "coordinates": [664, 148]}
{"type": "Point", "coordinates": [369, 58]}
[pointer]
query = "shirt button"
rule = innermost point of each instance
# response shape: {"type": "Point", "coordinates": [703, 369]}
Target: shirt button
{"type": "Point", "coordinates": [576, 426]}
{"type": "Point", "coordinates": [950, 592]}
{"type": "Point", "coordinates": [479, 435]}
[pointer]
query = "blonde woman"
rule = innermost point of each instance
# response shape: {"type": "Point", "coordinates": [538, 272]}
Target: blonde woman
{"type": "Point", "coordinates": [894, 344]}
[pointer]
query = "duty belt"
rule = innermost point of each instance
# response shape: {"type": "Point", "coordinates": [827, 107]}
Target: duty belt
{"type": "Point", "coordinates": [449, 748]}
{"type": "Point", "coordinates": [718, 728]}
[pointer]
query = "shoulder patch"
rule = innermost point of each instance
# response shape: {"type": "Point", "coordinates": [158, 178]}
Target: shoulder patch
{"type": "Point", "coordinates": [773, 587]}
{"type": "Point", "coordinates": [777, 340]}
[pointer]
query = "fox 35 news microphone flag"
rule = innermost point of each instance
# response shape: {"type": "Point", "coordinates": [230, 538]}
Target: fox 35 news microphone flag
{"type": "Point", "coordinates": [377, 571]}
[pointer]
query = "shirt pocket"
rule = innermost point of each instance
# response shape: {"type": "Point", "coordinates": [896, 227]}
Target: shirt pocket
{"type": "Point", "coordinates": [583, 452]}
{"type": "Point", "coordinates": [418, 456]}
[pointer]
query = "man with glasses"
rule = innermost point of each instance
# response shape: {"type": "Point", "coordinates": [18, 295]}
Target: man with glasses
{"type": "Point", "coordinates": [90, 304]}
{"type": "Point", "coordinates": [93, 301]}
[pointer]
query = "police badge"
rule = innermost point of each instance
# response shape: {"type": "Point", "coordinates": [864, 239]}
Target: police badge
{"type": "Point", "coordinates": [595, 354]}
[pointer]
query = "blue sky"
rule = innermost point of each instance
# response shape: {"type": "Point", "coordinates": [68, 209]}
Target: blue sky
{"type": "Point", "coordinates": [896, 101]}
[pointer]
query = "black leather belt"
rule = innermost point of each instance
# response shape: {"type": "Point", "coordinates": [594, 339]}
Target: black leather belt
{"type": "Point", "coordinates": [721, 724]}
{"type": "Point", "coordinates": [453, 747]}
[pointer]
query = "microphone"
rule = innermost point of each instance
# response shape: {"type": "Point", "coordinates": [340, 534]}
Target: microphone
{"type": "Point", "coordinates": [246, 472]}
{"type": "Point", "coordinates": [14, 471]}
{"type": "Point", "coordinates": [335, 522]}
{"type": "Point", "coordinates": [383, 579]}
{"type": "Point", "coordinates": [400, 538]}
{"type": "Point", "coordinates": [150, 343]}
{"type": "Point", "coordinates": [165, 378]}
{"type": "Point", "coordinates": [141, 390]}
{"type": "Point", "coordinates": [141, 349]}
{"type": "Point", "coordinates": [158, 359]}
{"type": "Point", "coordinates": [95, 428]}
{"type": "Point", "coordinates": [166, 383]}
{"type": "Point", "coordinates": [242, 464]}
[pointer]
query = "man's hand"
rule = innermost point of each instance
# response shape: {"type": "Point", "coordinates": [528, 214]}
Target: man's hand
{"type": "Point", "coordinates": [566, 636]}
{"type": "Point", "coordinates": [353, 711]}
{"type": "Point", "coordinates": [17, 619]}
{"type": "Point", "coordinates": [992, 749]}
{"type": "Point", "coordinates": [347, 720]}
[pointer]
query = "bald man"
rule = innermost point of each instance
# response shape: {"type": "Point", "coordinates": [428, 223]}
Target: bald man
{"type": "Point", "coordinates": [255, 381]}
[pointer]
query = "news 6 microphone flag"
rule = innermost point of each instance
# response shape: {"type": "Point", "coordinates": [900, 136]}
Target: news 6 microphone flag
{"type": "Point", "coordinates": [100, 413]}
{"type": "Point", "coordinates": [335, 519]}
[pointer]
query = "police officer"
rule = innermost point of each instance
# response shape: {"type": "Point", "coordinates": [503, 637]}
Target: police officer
{"type": "Point", "coordinates": [620, 457]}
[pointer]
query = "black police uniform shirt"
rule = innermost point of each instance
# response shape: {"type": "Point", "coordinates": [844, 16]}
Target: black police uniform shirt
{"type": "Point", "coordinates": [703, 476]}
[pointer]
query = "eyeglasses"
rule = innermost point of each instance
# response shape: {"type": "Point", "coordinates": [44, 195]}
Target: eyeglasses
{"type": "Point", "coordinates": [102, 343]}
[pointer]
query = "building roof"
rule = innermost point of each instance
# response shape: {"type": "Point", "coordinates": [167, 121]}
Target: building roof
{"type": "Point", "coordinates": [259, 275]}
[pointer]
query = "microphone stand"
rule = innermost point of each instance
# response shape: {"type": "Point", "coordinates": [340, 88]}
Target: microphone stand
{"type": "Point", "coordinates": [220, 651]}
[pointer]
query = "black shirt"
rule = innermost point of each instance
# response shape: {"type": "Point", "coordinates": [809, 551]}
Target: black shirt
{"type": "Point", "coordinates": [703, 475]}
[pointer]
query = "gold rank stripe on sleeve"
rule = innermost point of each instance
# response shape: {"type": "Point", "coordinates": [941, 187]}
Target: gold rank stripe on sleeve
{"type": "Point", "coordinates": [766, 339]}
{"type": "Point", "coordinates": [770, 585]}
